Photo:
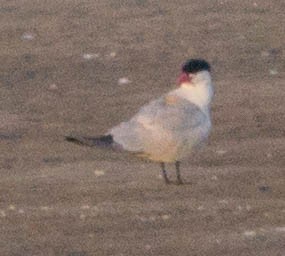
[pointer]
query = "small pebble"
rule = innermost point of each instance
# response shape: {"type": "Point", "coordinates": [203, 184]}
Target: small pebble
{"type": "Point", "coordinates": [45, 208]}
{"type": "Point", "coordinates": [239, 208]}
{"type": "Point", "coordinates": [123, 80]}
{"type": "Point", "coordinates": [27, 36]}
{"type": "Point", "coordinates": [221, 152]}
{"type": "Point", "coordinates": [82, 216]}
{"type": "Point", "coordinates": [280, 229]}
{"type": "Point", "coordinates": [2, 213]}
{"type": "Point", "coordinates": [201, 207]}
{"type": "Point", "coordinates": [89, 56]}
{"type": "Point", "coordinates": [12, 207]}
{"type": "Point", "coordinates": [21, 211]}
{"type": "Point", "coordinates": [85, 207]}
{"type": "Point", "coordinates": [214, 177]}
{"type": "Point", "coordinates": [273, 72]}
{"type": "Point", "coordinates": [99, 173]}
{"type": "Point", "coordinates": [250, 233]}
{"type": "Point", "coordinates": [165, 217]}
{"type": "Point", "coordinates": [53, 87]}
{"type": "Point", "coordinates": [113, 54]}
{"type": "Point", "coordinates": [147, 247]}
{"type": "Point", "coordinates": [223, 202]}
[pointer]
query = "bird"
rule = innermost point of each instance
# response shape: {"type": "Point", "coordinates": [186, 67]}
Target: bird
{"type": "Point", "coordinates": [167, 129]}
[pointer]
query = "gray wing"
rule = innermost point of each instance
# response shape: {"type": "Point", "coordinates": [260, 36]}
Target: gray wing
{"type": "Point", "coordinates": [175, 117]}
{"type": "Point", "coordinates": [159, 123]}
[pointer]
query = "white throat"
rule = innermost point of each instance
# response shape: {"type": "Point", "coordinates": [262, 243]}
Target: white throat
{"type": "Point", "coordinates": [199, 91]}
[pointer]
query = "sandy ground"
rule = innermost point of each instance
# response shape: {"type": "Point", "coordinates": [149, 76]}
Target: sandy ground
{"type": "Point", "coordinates": [60, 66]}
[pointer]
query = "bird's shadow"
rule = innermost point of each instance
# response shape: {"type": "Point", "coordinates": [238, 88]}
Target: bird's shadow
{"type": "Point", "coordinates": [177, 183]}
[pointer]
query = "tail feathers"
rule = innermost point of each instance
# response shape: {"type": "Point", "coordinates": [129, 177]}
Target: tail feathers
{"type": "Point", "coordinates": [102, 141]}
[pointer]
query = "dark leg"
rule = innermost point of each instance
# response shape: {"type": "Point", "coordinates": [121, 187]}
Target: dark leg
{"type": "Point", "coordinates": [164, 174]}
{"type": "Point", "coordinates": [177, 166]}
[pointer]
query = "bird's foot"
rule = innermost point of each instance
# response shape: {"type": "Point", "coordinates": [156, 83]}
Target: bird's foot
{"type": "Point", "coordinates": [179, 181]}
{"type": "Point", "coordinates": [167, 181]}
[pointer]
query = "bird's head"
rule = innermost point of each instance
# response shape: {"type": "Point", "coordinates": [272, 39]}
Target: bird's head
{"type": "Point", "coordinates": [194, 72]}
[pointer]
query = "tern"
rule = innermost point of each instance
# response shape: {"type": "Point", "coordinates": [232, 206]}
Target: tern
{"type": "Point", "coordinates": [169, 128]}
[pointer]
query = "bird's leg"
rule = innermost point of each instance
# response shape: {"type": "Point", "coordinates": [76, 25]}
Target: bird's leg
{"type": "Point", "coordinates": [177, 166]}
{"type": "Point", "coordinates": [164, 174]}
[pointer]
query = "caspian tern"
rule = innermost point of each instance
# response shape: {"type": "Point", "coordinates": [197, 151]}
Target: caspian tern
{"type": "Point", "coordinates": [169, 128]}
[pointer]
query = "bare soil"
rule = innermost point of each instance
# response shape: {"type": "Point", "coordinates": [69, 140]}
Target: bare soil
{"type": "Point", "coordinates": [60, 65]}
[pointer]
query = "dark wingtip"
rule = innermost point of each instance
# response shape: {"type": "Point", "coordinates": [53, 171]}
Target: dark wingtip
{"type": "Point", "coordinates": [70, 138]}
{"type": "Point", "coordinates": [108, 139]}
{"type": "Point", "coordinates": [77, 140]}
{"type": "Point", "coordinates": [102, 141]}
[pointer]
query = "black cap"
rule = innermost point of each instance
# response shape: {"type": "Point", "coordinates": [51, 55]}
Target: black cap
{"type": "Point", "coordinates": [196, 65]}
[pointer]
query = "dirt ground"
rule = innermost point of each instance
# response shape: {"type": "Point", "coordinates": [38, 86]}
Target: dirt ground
{"type": "Point", "coordinates": [61, 61]}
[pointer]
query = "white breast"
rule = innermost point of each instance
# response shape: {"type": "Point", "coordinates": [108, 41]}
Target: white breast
{"type": "Point", "coordinates": [199, 91]}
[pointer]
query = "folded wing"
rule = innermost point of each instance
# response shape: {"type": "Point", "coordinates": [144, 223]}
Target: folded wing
{"type": "Point", "coordinates": [163, 129]}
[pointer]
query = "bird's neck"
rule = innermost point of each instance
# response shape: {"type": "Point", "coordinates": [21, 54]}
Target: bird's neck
{"type": "Point", "coordinates": [200, 94]}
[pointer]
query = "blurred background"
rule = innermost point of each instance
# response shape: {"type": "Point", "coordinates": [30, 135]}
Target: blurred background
{"type": "Point", "coordinates": [84, 66]}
